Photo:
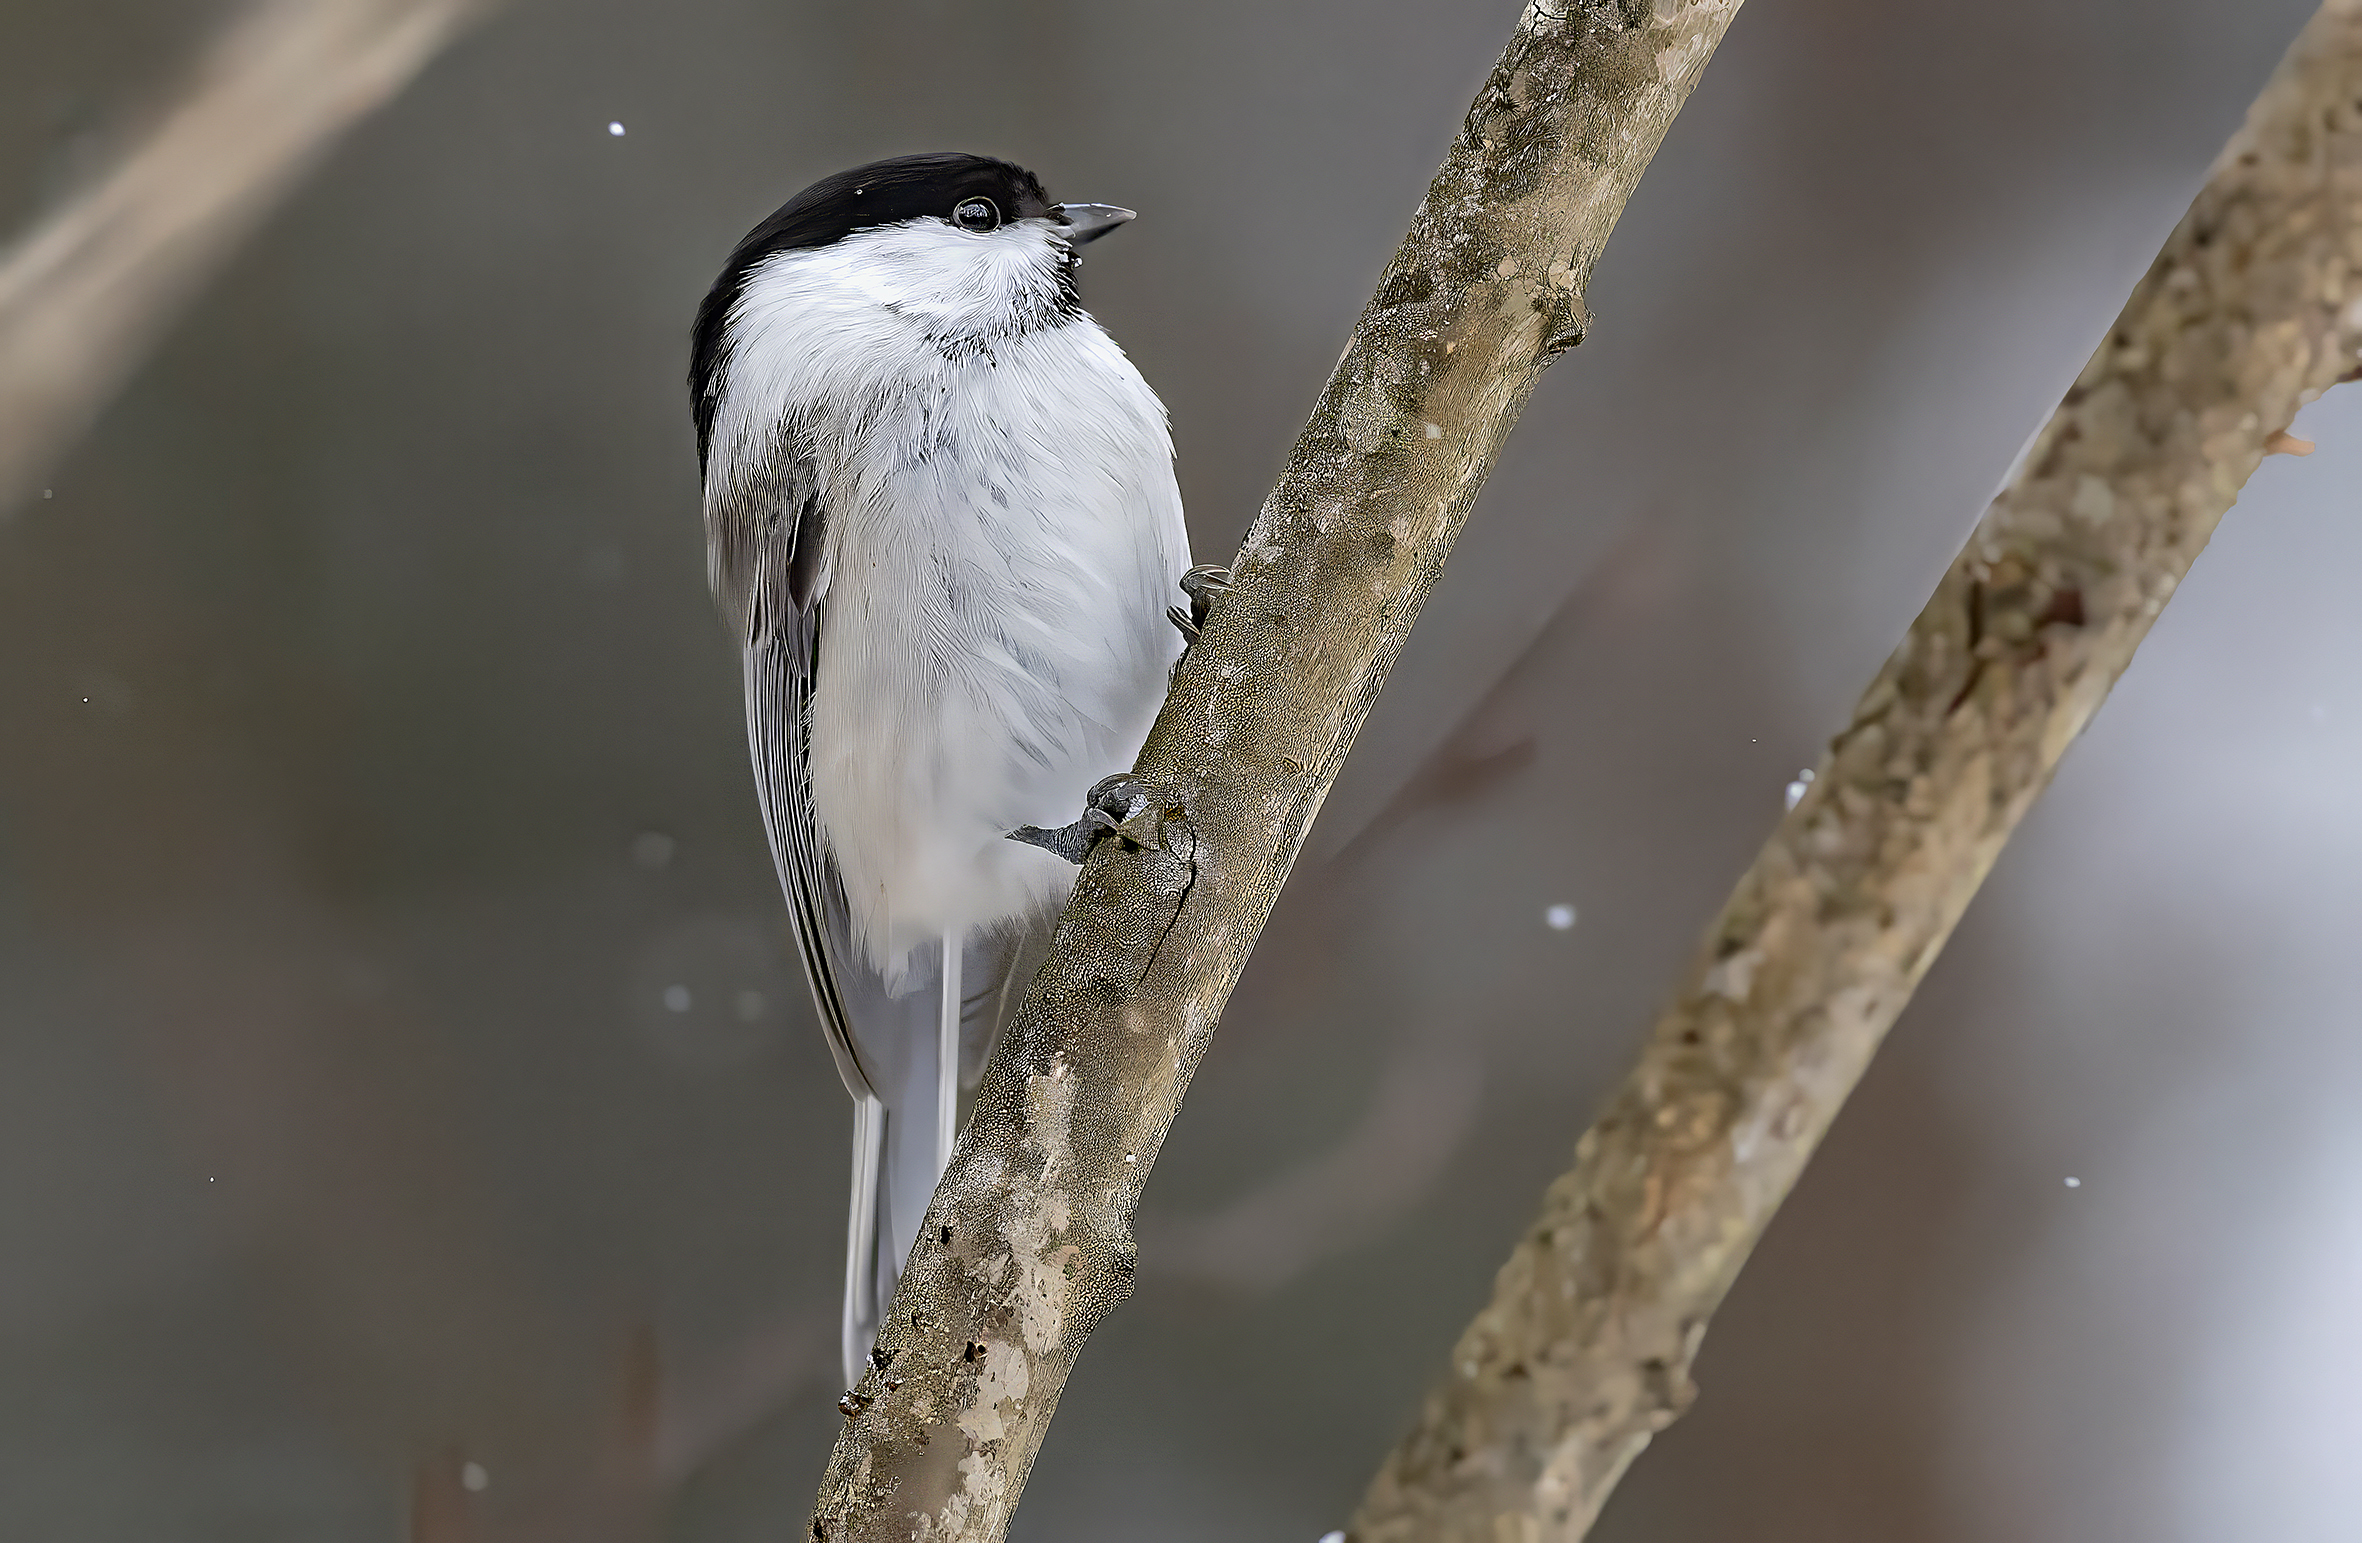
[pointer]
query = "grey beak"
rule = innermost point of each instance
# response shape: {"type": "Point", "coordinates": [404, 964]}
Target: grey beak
{"type": "Point", "coordinates": [1088, 222]}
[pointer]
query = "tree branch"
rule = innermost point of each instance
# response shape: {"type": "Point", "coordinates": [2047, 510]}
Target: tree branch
{"type": "Point", "coordinates": [1585, 1350]}
{"type": "Point", "coordinates": [1028, 1244]}
{"type": "Point", "coordinates": [83, 296]}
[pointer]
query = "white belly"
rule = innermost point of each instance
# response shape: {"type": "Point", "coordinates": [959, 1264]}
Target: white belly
{"type": "Point", "coordinates": [993, 638]}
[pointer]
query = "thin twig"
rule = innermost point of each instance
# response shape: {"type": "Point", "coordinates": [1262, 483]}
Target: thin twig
{"type": "Point", "coordinates": [1586, 1347]}
{"type": "Point", "coordinates": [84, 295]}
{"type": "Point", "coordinates": [1029, 1244]}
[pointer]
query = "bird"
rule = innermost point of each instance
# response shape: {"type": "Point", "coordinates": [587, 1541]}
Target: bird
{"type": "Point", "coordinates": [942, 522]}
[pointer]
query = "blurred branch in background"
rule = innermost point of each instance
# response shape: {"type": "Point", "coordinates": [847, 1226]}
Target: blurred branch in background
{"type": "Point", "coordinates": [1428, 1092]}
{"type": "Point", "coordinates": [1423, 1107]}
{"type": "Point", "coordinates": [275, 1045]}
{"type": "Point", "coordinates": [1028, 1244]}
{"type": "Point", "coordinates": [85, 294]}
{"type": "Point", "coordinates": [1585, 1350]}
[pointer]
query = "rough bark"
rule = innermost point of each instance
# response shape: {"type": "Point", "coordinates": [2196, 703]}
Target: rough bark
{"type": "Point", "coordinates": [1029, 1243]}
{"type": "Point", "coordinates": [2252, 310]}
{"type": "Point", "coordinates": [83, 295]}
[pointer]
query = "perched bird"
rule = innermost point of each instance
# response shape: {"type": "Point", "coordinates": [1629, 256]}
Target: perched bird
{"type": "Point", "coordinates": [941, 520]}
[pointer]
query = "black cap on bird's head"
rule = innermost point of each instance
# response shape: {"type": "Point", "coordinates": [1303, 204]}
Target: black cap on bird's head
{"type": "Point", "coordinates": [910, 187]}
{"type": "Point", "coordinates": [975, 193]}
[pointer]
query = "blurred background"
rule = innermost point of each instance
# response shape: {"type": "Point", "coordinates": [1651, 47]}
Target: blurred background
{"type": "Point", "coordinates": [410, 1115]}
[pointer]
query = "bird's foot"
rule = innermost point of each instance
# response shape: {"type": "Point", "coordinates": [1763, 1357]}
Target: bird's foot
{"type": "Point", "coordinates": [1117, 806]}
{"type": "Point", "coordinates": [1201, 584]}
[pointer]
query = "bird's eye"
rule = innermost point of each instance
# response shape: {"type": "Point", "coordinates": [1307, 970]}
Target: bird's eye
{"type": "Point", "coordinates": [977, 214]}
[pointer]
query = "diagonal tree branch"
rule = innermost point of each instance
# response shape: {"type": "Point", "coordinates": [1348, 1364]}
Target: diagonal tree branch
{"type": "Point", "coordinates": [1029, 1244]}
{"type": "Point", "coordinates": [84, 295]}
{"type": "Point", "coordinates": [2251, 311]}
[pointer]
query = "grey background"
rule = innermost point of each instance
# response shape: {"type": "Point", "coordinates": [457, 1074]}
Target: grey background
{"type": "Point", "coordinates": [370, 767]}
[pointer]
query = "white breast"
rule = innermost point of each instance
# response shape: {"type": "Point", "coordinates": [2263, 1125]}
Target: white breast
{"type": "Point", "coordinates": [1003, 536]}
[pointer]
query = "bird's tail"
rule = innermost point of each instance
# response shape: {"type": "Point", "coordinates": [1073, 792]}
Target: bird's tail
{"type": "Point", "coordinates": [901, 1146]}
{"type": "Point", "coordinates": [862, 1230]}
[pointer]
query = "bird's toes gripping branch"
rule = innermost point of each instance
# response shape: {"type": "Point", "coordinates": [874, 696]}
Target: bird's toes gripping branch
{"type": "Point", "coordinates": [1201, 584]}
{"type": "Point", "coordinates": [1117, 806]}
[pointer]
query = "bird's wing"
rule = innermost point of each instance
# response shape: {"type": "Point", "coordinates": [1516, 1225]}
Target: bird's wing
{"type": "Point", "coordinates": [764, 536]}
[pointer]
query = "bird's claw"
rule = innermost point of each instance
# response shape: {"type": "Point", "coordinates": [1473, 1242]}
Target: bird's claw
{"type": "Point", "coordinates": [1201, 584]}
{"type": "Point", "coordinates": [1205, 581]}
{"type": "Point", "coordinates": [1117, 806]}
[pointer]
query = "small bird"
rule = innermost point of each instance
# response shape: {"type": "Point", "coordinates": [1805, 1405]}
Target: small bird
{"type": "Point", "coordinates": [942, 523]}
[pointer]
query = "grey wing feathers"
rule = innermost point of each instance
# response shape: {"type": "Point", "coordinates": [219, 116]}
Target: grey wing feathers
{"type": "Point", "coordinates": [778, 693]}
{"type": "Point", "coordinates": [763, 539]}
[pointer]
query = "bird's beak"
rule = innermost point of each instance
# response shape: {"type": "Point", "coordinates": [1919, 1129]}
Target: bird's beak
{"type": "Point", "coordinates": [1088, 222]}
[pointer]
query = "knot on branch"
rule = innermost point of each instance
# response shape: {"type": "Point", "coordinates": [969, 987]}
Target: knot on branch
{"type": "Point", "coordinates": [1569, 322]}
